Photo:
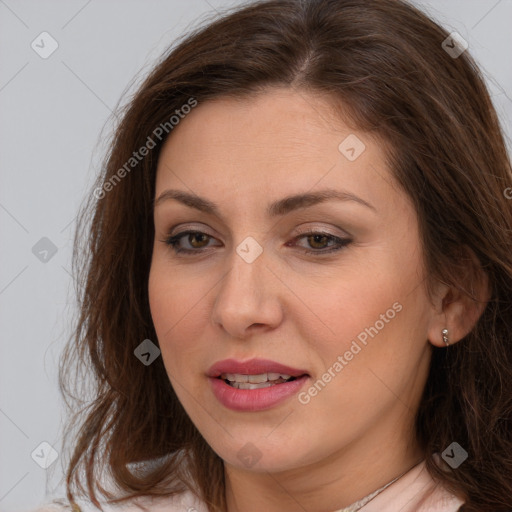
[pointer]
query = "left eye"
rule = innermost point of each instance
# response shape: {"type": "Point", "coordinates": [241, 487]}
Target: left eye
{"type": "Point", "coordinates": [316, 240]}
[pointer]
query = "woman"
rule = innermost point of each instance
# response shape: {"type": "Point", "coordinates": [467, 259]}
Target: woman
{"type": "Point", "coordinates": [298, 276]}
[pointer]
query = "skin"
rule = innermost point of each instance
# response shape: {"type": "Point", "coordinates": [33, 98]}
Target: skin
{"type": "Point", "coordinates": [302, 310]}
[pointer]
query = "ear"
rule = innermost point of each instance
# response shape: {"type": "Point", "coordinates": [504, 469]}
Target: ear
{"type": "Point", "coordinates": [458, 307]}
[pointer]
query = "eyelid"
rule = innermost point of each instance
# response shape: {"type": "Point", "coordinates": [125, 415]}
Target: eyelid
{"type": "Point", "coordinates": [187, 227]}
{"type": "Point", "coordinates": [300, 230]}
{"type": "Point", "coordinates": [323, 229]}
{"type": "Point", "coordinates": [340, 242]}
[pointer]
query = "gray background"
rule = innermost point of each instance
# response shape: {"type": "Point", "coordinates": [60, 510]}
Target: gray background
{"type": "Point", "coordinates": [53, 112]}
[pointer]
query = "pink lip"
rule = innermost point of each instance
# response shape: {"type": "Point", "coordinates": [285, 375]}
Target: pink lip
{"type": "Point", "coordinates": [252, 367]}
{"type": "Point", "coordinates": [250, 400]}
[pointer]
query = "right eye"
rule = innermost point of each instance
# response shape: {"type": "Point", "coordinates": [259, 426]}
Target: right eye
{"type": "Point", "coordinates": [194, 237]}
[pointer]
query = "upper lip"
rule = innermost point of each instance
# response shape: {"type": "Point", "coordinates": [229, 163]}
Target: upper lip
{"type": "Point", "coordinates": [252, 367]}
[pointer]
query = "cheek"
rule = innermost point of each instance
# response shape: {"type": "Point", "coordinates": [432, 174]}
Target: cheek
{"type": "Point", "coordinates": [342, 307]}
{"type": "Point", "coordinates": [375, 330]}
{"type": "Point", "coordinates": [374, 316]}
{"type": "Point", "coordinates": [178, 304]}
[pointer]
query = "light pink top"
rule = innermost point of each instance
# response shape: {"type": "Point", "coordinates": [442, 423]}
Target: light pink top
{"type": "Point", "coordinates": [415, 491]}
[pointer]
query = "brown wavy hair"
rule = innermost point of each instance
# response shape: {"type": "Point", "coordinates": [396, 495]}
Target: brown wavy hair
{"type": "Point", "coordinates": [382, 63]}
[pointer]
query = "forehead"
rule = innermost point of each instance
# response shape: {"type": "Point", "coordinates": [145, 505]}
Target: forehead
{"type": "Point", "coordinates": [255, 120]}
{"type": "Point", "coordinates": [279, 125]}
{"type": "Point", "coordinates": [270, 145]}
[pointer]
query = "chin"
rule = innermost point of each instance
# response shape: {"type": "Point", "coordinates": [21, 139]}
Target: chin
{"type": "Point", "coordinates": [258, 454]}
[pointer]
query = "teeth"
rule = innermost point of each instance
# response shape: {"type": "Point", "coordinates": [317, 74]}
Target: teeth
{"type": "Point", "coordinates": [248, 385]}
{"type": "Point", "coordinates": [254, 379]}
{"type": "Point", "coordinates": [232, 377]}
{"type": "Point", "coordinates": [258, 379]}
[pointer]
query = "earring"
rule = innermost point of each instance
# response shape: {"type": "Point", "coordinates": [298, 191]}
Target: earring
{"type": "Point", "coordinates": [444, 332]}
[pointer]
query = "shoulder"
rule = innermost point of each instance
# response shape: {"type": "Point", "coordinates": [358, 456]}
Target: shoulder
{"type": "Point", "coordinates": [183, 502]}
{"type": "Point", "coordinates": [53, 507]}
{"type": "Point", "coordinates": [416, 491]}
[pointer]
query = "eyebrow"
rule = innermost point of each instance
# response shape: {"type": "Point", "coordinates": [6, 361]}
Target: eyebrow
{"type": "Point", "coordinates": [275, 209]}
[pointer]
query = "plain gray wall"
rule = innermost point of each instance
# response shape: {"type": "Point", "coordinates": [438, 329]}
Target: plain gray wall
{"type": "Point", "coordinates": [52, 113]}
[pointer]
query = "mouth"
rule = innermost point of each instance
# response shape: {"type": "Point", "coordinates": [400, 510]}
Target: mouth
{"type": "Point", "coordinates": [253, 371]}
{"type": "Point", "coordinates": [261, 381]}
{"type": "Point", "coordinates": [254, 385]}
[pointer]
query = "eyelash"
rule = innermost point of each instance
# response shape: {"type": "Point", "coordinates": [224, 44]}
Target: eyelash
{"type": "Point", "coordinates": [341, 243]}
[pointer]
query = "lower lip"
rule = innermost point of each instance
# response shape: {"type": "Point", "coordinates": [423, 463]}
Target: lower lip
{"type": "Point", "coordinates": [249, 400]}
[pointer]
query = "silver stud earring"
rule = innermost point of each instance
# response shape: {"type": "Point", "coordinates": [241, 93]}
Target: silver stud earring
{"type": "Point", "coordinates": [444, 332]}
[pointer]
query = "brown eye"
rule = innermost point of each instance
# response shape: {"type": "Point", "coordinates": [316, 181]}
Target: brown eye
{"type": "Point", "coordinates": [198, 236]}
{"type": "Point", "coordinates": [323, 243]}
{"type": "Point", "coordinates": [318, 241]}
{"type": "Point", "coordinates": [196, 241]}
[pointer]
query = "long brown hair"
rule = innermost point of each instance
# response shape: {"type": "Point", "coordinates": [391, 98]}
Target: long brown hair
{"type": "Point", "coordinates": [384, 63]}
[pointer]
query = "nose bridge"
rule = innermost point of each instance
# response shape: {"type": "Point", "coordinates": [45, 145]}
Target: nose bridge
{"type": "Point", "coordinates": [245, 296]}
{"type": "Point", "coordinates": [244, 282]}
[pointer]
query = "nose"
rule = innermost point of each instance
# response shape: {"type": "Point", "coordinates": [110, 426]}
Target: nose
{"type": "Point", "coordinates": [248, 298]}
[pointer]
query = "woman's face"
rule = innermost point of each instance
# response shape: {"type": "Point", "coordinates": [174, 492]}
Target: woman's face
{"type": "Point", "coordinates": [332, 290]}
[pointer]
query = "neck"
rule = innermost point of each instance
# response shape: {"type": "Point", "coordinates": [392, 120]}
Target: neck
{"type": "Point", "coordinates": [334, 483]}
